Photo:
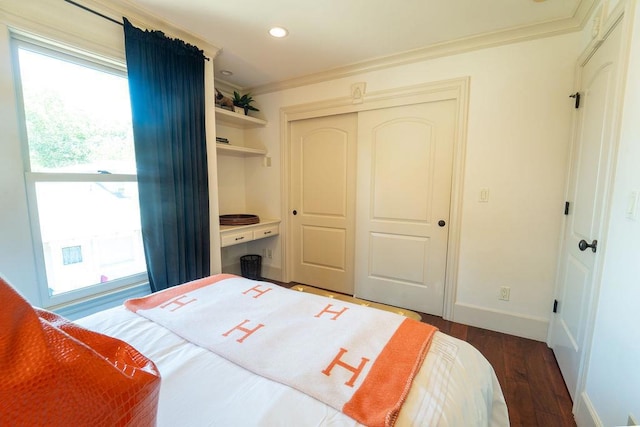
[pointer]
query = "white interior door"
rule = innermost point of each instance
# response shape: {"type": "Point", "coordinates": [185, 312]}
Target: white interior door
{"type": "Point", "coordinates": [405, 161]}
{"type": "Point", "coordinates": [586, 192]}
{"type": "Point", "coordinates": [323, 160]}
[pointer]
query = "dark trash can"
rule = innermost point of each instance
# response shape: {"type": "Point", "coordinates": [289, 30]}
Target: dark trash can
{"type": "Point", "coordinates": [251, 266]}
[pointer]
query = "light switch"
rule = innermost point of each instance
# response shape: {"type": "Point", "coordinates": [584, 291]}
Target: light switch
{"type": "Point", "coordinates": [632, 205]}
{"type": "Point", "coordinates": [484, 195]}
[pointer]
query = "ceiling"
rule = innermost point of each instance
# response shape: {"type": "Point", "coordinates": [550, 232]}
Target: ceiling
{"type": "Point", "coordinates": [326, 35]}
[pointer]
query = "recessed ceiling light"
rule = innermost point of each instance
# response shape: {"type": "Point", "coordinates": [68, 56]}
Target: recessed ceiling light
{"type": "Point", "coordinates": [278, 32]}
{"type": "Point", "coordinates": [226, 73]}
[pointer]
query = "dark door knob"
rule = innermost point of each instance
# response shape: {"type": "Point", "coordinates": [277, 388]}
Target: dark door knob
{"type": "Point", "coordinates": [295, 212]}
{"type": "Point", "coordinates": [442, 223]}
{"type": "Point", "coordinates": [583, 245]}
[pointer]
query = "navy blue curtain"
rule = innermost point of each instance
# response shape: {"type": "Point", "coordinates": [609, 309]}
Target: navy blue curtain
{"type": "Point", "coordinates": [166, 85]}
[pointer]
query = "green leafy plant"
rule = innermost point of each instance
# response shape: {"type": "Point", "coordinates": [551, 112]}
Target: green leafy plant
{"type": "Point", "coordinates": [243, 101]}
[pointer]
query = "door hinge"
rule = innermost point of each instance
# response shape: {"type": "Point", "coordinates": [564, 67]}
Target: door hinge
{"type": "Point", "coordinates": [566, 208]}
{"type": "Point", "coordinates": [577, 98]}
{"type": "Point", "coordinates": [555, 305]}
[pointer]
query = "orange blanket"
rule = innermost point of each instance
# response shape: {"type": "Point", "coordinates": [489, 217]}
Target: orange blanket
{"type": "Point", "coordinates": [356, 359]}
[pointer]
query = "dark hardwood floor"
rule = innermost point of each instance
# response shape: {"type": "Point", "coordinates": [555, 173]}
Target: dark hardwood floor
{"type": "Point", "coordinates": [527, 371]}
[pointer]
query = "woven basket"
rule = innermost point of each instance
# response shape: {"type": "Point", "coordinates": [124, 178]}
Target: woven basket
{"type": "Point", "coordinates": [239, 219]}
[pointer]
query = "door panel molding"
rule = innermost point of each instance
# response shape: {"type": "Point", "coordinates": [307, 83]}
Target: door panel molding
{"type": "Point", "coordinates": [310, 256]}
{"type": "Point", "coordinates": [387, 203]}
{"type": "Point", "coordinates": [317, 163]}
{"type": "Point", "coordinates": [409, 264]}
{"type": "Point", "coordinates": [453, 89]}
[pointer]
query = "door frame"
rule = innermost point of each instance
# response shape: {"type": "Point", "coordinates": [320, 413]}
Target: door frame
{"type": "Point", "coordinates": [454, 89]}
{"type": "Point", "coordinates": [603, 23]}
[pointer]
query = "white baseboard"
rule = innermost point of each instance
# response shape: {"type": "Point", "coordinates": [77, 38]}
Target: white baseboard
{"type": "Point", "coordinates": [531, 327]}
{"type": "Point", "coordinates": [273, 273]}
{"type": "Point", "coordinates": [586, 415]}
{"type": "Point", "coordinates": [232, 268]}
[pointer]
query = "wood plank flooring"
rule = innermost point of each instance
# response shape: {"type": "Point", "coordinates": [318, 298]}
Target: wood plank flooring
{"type": "Point", "coordinates": [527, 371]}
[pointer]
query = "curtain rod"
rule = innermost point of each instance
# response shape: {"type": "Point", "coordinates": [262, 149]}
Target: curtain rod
{"type": "Point", "coordinates": [101, 15]}
{"type": "Point", "coordinates": [94, 12]}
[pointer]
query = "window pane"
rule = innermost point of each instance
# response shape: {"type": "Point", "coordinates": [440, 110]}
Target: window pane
{"type": "Point", "coordinates": [90, 232]}
{"type": "Point", "coordinates": [78, 118]}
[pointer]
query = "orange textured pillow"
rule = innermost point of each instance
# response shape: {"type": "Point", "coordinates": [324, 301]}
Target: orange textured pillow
{"type": "Point", "coordinates": [55, 373]}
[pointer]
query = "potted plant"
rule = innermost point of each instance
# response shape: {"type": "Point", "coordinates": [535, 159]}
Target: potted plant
{"type": "Point", "coordinates": [244, 102]}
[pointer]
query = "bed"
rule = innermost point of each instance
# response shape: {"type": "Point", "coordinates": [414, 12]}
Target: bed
{"type": "Point", "coordinates": [454, 385]}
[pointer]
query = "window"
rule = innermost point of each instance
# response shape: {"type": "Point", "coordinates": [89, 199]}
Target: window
{"type": "Point", "coordinates": [71, 255]}
{"type": "Point", "coordinates": [80, 173]}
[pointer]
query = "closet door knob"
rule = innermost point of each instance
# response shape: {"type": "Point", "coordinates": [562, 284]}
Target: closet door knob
{"type": "Point", "coordinates": [295, 212]}
{"type": "Point", "coordinates": [442, 223]}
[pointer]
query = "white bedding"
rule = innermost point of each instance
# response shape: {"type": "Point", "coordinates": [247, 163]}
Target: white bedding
{"type": "Point", "coordinates": [456, 386]}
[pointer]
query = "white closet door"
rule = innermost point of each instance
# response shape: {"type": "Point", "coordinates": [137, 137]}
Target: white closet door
{"type": "Point", "coordinates": [405, 161]}
{"type": "Point", "coordinates": [323, 161]}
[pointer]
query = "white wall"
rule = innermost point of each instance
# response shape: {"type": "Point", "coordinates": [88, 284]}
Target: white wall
{"type": "Point", "coordinates": [16, 250]}
{"type": "Point", "coordinates": [231, 174]}
{"type": "Point", "coordinates": [517, 146]}
{"type": "Point", "coordinates": [613, 373]}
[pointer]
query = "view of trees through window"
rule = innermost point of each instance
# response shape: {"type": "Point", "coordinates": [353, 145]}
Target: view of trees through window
{"type": "Point", "coordinates": [78, 121]}
{"type": "Point", "coordinates": [70, 117]}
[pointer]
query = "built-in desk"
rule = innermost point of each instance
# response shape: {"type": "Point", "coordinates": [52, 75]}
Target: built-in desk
{"type": "Point", "coordinates": [236, 234]}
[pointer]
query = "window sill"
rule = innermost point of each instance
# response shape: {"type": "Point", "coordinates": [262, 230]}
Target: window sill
{"type": "Point", "coordinates": [90, 305]}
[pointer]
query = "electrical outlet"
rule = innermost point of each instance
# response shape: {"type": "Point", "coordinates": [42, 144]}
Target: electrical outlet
{"type": "Point", "coordinates": [632, 421]}
{"type": "Point", "coordinates": [269, 253]}
{"type": "Point", "coordinates": [504, 293]}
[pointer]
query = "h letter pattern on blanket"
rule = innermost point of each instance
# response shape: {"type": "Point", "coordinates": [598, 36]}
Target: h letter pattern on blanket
{"type": "Point", "coordinates": [247, 332]}
{"type": "Point", "coordinates": [177, 302]}
{"type": "Point", "coordinates": [257, 290]}
{"type": "Point", "coordinates": [355, 370]}
{"type": "Point", "coordinates": [356, 359]}
{"type": "Point", "coordinates": [326, 310]}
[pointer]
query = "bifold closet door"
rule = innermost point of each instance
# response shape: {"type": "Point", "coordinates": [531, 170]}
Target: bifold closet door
{"type": "Point", "coordinates": [404, 172]}
{"type": "Point", "coordinates": [323, 164]}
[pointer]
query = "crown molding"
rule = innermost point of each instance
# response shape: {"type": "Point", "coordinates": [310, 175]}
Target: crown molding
{"type": "Point", "coordinates": [148, 20]}
{"type": "Point", "coordinates": [498, 38]}
{"type": "Point", "coordinates": [585, 9]}
{"type": "Point", "coordinates": [51, 17]}
{"type": "Point", "coordinates": [227, 87]}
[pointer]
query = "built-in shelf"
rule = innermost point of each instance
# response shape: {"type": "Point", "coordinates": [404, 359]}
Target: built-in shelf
{"type": "Point", "coordinates": [238, 119]}
{"type": "Point", "coordinates": [234, 149]}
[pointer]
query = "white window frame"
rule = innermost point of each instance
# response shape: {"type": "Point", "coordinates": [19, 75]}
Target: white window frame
{"type": "Point", "coordinates": [32, 178]}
